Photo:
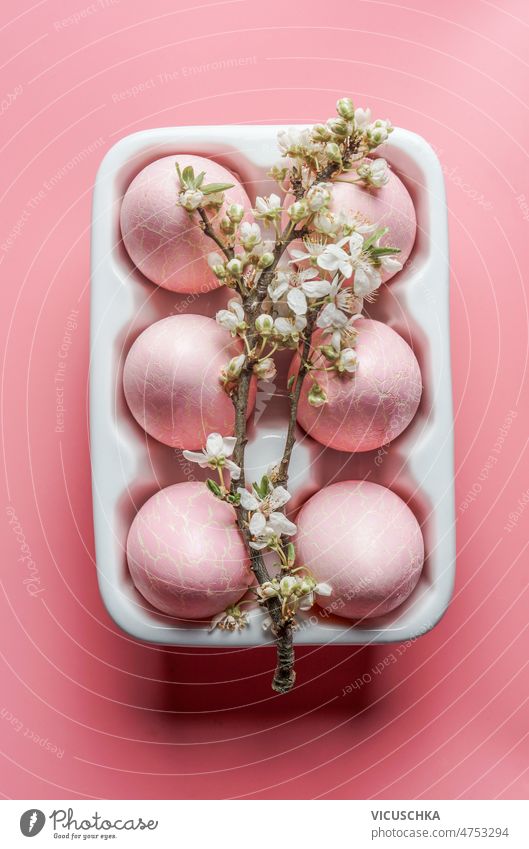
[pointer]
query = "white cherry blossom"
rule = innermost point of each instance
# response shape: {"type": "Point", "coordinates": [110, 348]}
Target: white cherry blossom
{"type": "Point", "coordinates": [335, 321]}
{"type": "Point", "coordinates": [232, 318]}
{"type": "Point", "coordinates": [267, 524]}
{"type": "Point", "coordinates": [231, 619]}
{"type": "Point", "coordinates": [313, 248]}
{"type": "Point", "coordinates": [268, 208]}
{"type": "Point", "coordinates": [306, 284]}
{"type": "Point", "coordinates": [319, 196]}
{"type": "Point", "coordinates": [367, 278]}
{"type": "Point", "coordinates": [290, 328]}
{"type": "Point", "coordinates": [307, 599]}
{"type": "Point", "coordinates": [296, 287]}
{"type": "Point", "coordinates": [390, 264]}
{"type": "Point", "coordinates": [296, 592]}
{"type": "Point", "coordinates": [347, 361]}
{"type": "Point", "coordinates": [250, 235]}
{"type": "Point", "coordinates": [294, 141]}
{"type": "Point", "coordinates": [216, 454]}
{"type": "Point", "coordinates": [375, 172]}
{"type": "Point", "coordinates": [362, 117]}
{"type": "Point", "coordinates": [334, 259]}
{"type": "Point", "coordinates": [190, 199]}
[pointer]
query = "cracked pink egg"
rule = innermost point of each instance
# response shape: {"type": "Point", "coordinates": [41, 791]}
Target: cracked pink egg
{"type": "Point", "coordinates": [390, 206]}
{"type": "Point", "coordinates": [171, 380]}
{"type": "Point", "coordinates": [374, 405]}
{"type": "Point", "coordinates": [185, 553]}
{"type": "Point", "coordinates": [374, 556]}
{"type": "Point", "coordinates": [161, 238]}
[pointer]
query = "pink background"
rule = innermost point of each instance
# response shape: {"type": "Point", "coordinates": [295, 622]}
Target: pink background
{"type": "Point", "coordinates": [448, 716]}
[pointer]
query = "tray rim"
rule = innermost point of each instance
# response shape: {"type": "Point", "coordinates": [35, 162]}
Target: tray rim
{"type": "Point", "coordinates": [345, 632]}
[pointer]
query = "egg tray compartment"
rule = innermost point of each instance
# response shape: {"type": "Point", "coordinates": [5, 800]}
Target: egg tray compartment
{"type": "Point", "coordinates": [128, 466]}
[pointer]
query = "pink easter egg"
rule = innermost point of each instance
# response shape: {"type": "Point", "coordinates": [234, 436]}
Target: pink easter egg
{"type": "Point", "coordinates": [161, 238]}
{"type": "Point", "coordinates": [390, 206]}
{"type": "Point", "coordinates": [171, 380]}
{"type": "Point", "coordinates": [374, 405]}
{"type": "Point", "coordinates": [185, 553]}
{"type": "Point", "coordinates": [365, 542]}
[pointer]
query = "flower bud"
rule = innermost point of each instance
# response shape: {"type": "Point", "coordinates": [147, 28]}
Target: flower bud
{"type": "Point", "coordinates": [265, 260]}
{"type": "Point", "coordinates": [267, 590]}
{"type": "Point", "coordinates": [298, 210]}
{"type": "Point", "coordinates": [317, 396]}
{"type": "Point", "coordinates": [323, 223]}
{"type": "Point", "coordinates": [235, 267]}
{"type": "Point", "coordinates": [345, 108]}
{"type": "Point", "coordinates": [191, 199]}
{"type": "Point", "coordinates": [378, 132]}
{"type": "Point", "coordinates": [265, 369]}
{"type": "Point", "coordinates": [338, 127]}
{"type": "Point", "coordinates": [216, 263]}
{"type": "Point", "coordinates": [234, 367]}
{"type": "Point", "coordinates": [333, 152]}
{"type": "Point", "coordinates": [318, 196]}
{"type": "Point", "coordinates": [329, 352]}
{"type": "Point", "coordinates": [227, 226]}
{"type": "Point", "coordinates": [287, 585]}
{"type": "Point", "coordinates": [235, 212]}
{"type": "Point", "coordinates": [321, 133]}
{"type": "Point", "coordinates": [219, 271]}
{"type": "Point", "coordinates": [306, 585]}
{"type": "Point", "coordinates": [264, 324]}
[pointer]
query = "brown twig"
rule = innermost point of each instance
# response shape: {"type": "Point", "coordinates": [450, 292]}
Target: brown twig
{"type": "Point", "coordinates": [284, 677]}
{"type": "Point", "coordinates": [280, 476]}
{"type": "Point", "coordinates": [209, 231]}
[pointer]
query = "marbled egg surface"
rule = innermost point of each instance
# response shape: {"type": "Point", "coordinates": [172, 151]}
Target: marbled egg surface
{"type": "Point", "coordinates": [185, 553]}
{"type": "Point", "coordinates": [160, 237]}
{"type": "Point", "coordinates": [171, 380]}
{"type": "Point", "coordinates": [374, 405]}
{"type": "Point", "coordinates": [390, 206]}
{"type": "Point", "coordinates": [365, 542]}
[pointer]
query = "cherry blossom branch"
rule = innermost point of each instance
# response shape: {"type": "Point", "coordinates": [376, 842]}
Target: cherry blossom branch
{"type": "Point", "coordinates": [279, 307]}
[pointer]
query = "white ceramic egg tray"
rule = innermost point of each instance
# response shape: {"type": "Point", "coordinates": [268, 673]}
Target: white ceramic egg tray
{"type": "Point", "coordinates": [128, 466]}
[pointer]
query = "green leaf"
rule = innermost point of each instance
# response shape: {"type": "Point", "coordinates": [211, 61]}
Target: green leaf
{"type": "Point", "coordinates": [263, 488]}
{"type": "Point", "coordinates": [213, 188]}
{"type": "Point", "coordinates": [265, 485]}
{"type": "Point", "coordinates": [384, 251]}
{"type": "Point", "coordinates": [290, 381]}
{"type": "Point", "coordinates": [214, 488]}
{"type": "Point", "coordinates": [291, 554]}
{"type": "Point", "coordinates": [188, 176]}
{"type": "Point", "coordinates": [374, 236]}
{"type": "Point", "coordinates": [200, 179]}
